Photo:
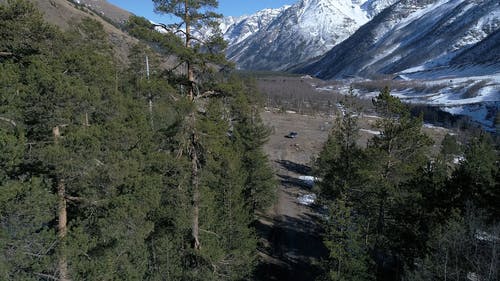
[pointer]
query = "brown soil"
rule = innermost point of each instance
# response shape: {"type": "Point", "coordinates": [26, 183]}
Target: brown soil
{"type": "Point", "coordinates": [290, 234]}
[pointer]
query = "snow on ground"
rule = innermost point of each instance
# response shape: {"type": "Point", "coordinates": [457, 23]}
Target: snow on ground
{"type": "Point", "coordinates": [469, 90]}
{"type": "Point", "coordinates": [307, 199]}
{"type": "Point", "coordinates": [370, 131]}
{"type": "Point", "coordinates": [309, 180]}
{"type": "Point", "coordinates": [458, 159]}
{"type": "Point", "coordinates": [483, 113]}
{"type": "Point", "coordinates": [432, 126]}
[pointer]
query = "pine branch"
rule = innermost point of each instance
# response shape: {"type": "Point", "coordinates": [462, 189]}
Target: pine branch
{"type": "Point", "coordinates": [176, 30]}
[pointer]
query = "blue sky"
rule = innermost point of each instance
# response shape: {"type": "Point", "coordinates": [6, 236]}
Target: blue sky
{"type": "Point", "coordinates": [226, 7]}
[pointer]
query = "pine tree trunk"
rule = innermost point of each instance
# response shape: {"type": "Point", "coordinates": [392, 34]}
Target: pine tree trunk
{"type": "Point", "coordinates": [194, 152]}
{"type": "Point", "coordinates": [150, 97]}
{"type": "Point", "coordinates": [62, 231]}
{"type": "Point", "coordinates": [195, 200]}
{"type": "Point", "coordinates": [190, 72]}
{"type": "Point", "coordinates": [196, 192]}
{"type": "Point", "coordinates": [62, 227]}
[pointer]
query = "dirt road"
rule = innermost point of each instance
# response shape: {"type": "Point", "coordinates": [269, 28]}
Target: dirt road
{"type": "Point", "coordinates": [290, 235]}
{"type": "Point", "coordinates": [291, 241]}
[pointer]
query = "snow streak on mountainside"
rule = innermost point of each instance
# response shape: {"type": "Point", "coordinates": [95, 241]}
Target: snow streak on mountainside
{"type": "Point", "coordinates": [237, 29]}
{"type": "Point", "coordinates": [278, 39]}
{"type": "Point", "coordinates": [447, 50]}
{"type": "Point", "coordinates": [414, 36]}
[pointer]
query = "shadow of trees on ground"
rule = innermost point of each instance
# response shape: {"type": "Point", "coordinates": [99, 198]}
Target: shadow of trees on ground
{"type": "Point", "coordinates": [297, 243]}
{"type": "Point", "coordinates": [294, 167]}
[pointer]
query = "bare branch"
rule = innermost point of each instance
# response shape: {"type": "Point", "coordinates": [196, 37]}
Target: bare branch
{"type": "Point", "coordinates": [46, 276]}
{"type": "Point", "coordinates": [33, 254]}
{"type": "Point", "coordinates": [8, 121]}
{"type": "Point", "coordinates": [209, 94]}
{"type": "Point", "coordinates": [176, 30]}
{"type": "Point", "coordinates": [175, 67]}
{"type": "Point", "coordinates": [210, 232]}
{"type": "Point", "coordinates": [73, 198]}
{"type": "Point", "coordinates": [81, 200]}
{"type": "Point", "coordinates": [6, 54]}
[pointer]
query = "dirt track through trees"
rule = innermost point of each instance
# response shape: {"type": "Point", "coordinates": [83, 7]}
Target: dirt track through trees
{"type": "Point", "coordinates": [290, 234]}
{"type": "Point", "coordinates": [290, 238]}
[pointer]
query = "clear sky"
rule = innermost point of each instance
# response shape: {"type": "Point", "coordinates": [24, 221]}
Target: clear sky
{"type": "Point", "coordinates": [226, 7]}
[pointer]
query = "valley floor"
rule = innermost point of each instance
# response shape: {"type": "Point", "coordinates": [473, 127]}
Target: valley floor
{"type": "Point", "coordinates": [290, 233]}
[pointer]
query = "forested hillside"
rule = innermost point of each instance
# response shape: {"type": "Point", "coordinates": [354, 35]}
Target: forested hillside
{"type": "Point", "coordinates": [113, 172]}
{"type": "Point", "coordinates": [143, 169]}
{"type": "Point", "coordinates": [396, 211]}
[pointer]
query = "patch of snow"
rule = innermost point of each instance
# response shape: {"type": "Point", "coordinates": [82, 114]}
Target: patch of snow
{"type": "Point", "coordinates": [431, 126]}
{"type": "Point", "coordinates": [309, 180]}
{"type": "Point", "coordinates": [370, 131]}
{"type": "Point", "coordinates": [484, 236]}
{"type": "Point", "coordinates": [482, 113]}
{"type": "Point", "coordinates": [325, 89]}
{"type": "Point", "coordinates": [458, 159]}
{"type": "Point", "coordinates": [307, 199]}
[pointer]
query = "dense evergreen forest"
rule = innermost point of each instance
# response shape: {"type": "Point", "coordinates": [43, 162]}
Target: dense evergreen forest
{"type": "Point", "coordinates": [108, 172]}
{"type": "Point", "coordinates": [398, 212]}
{"type": "Point", "coordinates": [153, 169]}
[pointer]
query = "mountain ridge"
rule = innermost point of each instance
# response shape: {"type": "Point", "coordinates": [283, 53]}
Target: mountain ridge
{"type": "Point", "coordinates": [305, 30]}
{"type": "Point", "coordinates": [409, 37]}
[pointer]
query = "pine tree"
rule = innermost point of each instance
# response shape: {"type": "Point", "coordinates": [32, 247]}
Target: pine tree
{"type": "Point", "coordinates": [393, 157]}
{"type": "Point", "coordinates": [192, 14]}
{"type": "Point", "coordinates": [337, 166]}
{"type": "Point", "coordinates": [339, 160]}
{"type": "Point", "coordinates": [250, 134]}
{"type": "Point", "coordinates": [476, 178]}
{"type": "Point", "coordinates": [349, 256]}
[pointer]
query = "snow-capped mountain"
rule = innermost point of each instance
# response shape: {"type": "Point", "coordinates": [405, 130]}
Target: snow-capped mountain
{"type": "Point", "coordinates": [450, 49]}
{"type": "Point", "coordinates": [278, 39]}
{"type": "Point", "coordinates": [415, 36]}
{"type": "Point", "coordinates": [237, 29]}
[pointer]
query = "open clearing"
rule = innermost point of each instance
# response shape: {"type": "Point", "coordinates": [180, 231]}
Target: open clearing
{"type": "Point", "coordinates": [290, 236]}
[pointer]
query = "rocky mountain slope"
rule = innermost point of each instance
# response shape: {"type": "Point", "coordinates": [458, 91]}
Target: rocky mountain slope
{"type": "Point", "coordinates": [416, 35]}
{"type": "Point", "coordinates": [106, 9]}
{"type": "Point", "coordinates": [237, 29]}
{"type": "Point", "coordinates": [65, 13]}
{"type": "Point", "coordinates": [298, 33]}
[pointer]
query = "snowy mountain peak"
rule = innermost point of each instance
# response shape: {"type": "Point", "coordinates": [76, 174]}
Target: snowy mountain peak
{"type": "Point", "coordinates": [276, 39]}
{"type": "Point", "coordinates": [237, 29]}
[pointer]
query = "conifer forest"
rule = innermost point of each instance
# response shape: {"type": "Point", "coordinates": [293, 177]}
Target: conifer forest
{"type": "Point", "coordinates": [153, 167]}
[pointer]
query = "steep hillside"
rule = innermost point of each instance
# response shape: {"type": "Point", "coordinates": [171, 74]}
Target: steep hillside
{"type": "Point", "coordinates": [106, 9]}
{"type": "Point", "coordinates": [64, 13]}
{"type": "Point", "coordinates": [238, 29]}
{"type": "Point", "coordinates": [484, 52]}
{"type": "Point", "coordinates": [414, 36]}
{"type": "Point", "coordinates": [306, 30]}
